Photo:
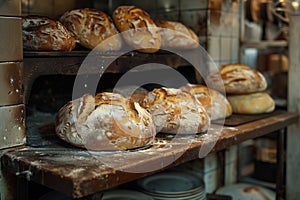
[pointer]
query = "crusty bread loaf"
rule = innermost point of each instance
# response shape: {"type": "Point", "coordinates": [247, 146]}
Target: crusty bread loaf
{"type": "Point", "coordinates": [138, 29]}
{"type": "Point", "coordinates": [176, 35]}
{"type": "Point", "coordinates": [254, 103]}
{"type": "Point", "coordinates": [241, 79]}
{"type": "Point", "coordinates": [216, 105]}
{"type": "Point", "coordinates": [43, 33]}
{"type": "Point", "coordinates": [107, 122]}
{"type": "Point", "coordinates": [176, 112]}
{"type": "Point", "coordinates": [92, 27]}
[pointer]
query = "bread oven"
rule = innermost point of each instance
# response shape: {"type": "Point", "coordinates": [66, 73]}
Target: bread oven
{"type": "Point", "coordinates": [37, 160]}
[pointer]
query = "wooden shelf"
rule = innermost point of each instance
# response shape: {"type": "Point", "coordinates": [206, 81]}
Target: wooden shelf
{"type": "Point", "coordinates": [78, 172]}
{"type": "Point", "coordinates": [84, 62]}
{"type": "Point", "coordinates": [37, 63]}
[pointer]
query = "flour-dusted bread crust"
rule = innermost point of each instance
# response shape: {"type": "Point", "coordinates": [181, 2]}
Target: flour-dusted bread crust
{"type": "Point", "coordinates": [176, 35]}
{"type": "Point", "coordinates": [138, 29]}
{"type": "Point", "coordinates": [107, 121]}
{"type": "Point", "coordinates": [254, 103]}
{"type": "Point", "coordinates": [43, 33]}
{"type": "Point", "coordinates": [216, 104]}
{"type": "Point", "coordinates": [176, 112]}
{"type": "Point", "coordinates": [92, 27]}
{"type": "Point", "coordinates": [241, 79]}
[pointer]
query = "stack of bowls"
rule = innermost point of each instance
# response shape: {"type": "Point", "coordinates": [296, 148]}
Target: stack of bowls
{"type": "Point", "coordinates": [173, 185]}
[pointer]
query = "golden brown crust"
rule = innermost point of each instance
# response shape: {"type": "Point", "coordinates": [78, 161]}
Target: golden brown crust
{"type": "Point", "coordinates": [216, 105]}
{"type": "Point", "coordinates": [138, 29]}
{"type": "Point", "coordinates": [254, 103]}
{"type": "Point", "coordinates": [43, 33]}
{"type": "Point", "coordinates": [177, 35]}
{"type": "Point", "coordinates": [175, 111]}
{"type": "Point", "coordinates": [107, 122]}
{"type": "Point", "coordinates": [92, 27]}
{"type": "Point", "coordinates": [241, 79]}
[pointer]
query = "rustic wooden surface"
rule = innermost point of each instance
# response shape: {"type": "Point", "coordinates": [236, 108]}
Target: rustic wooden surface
{"type": "Point", "coordinates": [78, 172]}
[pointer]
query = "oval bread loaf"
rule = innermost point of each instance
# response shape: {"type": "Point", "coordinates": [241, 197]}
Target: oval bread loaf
{"type": "Point", "coordinates": [138, 29]}
{"type": "Point", "coordinates": [241, 79]}
{"type": "Point", "coordinates": [107, 122]}
{"type": "Point", "coordinates": [216, 105]}
{"type": "Point", "coordinates": [176, 35]}
{"type": "Point", "coordinates": [43, 33]}
{"type": "Point", "coordinates": [254, 103]}
{"type": "Point", "coordinates": [175, 111]}
{"type": "Point", "coordinates": [92, 27]}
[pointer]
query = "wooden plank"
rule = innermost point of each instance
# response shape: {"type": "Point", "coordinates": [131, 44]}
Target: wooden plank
{"type": "Point", "coordinates": [79, 172]}
{"type": "Point", "coordinates": [293, 137]}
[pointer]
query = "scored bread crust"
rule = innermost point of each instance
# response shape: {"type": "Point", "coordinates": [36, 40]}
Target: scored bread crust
{"type": "Point", "coordinates": [92, 27]}
{"type": "Point", "coordinates": [107, 122]}
{"type": "Point", "coordinates": [216, 104]}
{"type": "Point", "coordinates": [138, 29]}
{"type": "Point", "coordinates": [43, 33]}
{"type": "Point", "coordinates": [176, 35]}
{"type": "Point", "coordinates": [254, 103]}
{"type": "Point", "coordinates": [175, 111]}
{"type": "Point", "coordinates": [241, 79]}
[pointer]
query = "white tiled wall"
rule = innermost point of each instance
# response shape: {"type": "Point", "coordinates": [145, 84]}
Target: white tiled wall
{"type": "Point", "coordinates": [231, 158]}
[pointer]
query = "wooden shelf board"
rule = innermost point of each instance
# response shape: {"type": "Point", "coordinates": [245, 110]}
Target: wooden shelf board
{"type": "Point", "coordinates": [78, 172]}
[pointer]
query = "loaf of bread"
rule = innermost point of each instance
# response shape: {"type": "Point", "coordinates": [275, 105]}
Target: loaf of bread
{"type": "Point", "coordinates": [176, 35]}
{"type": "Point", "coordinates": [254, 103]}
{"type": "Point", "coordinates": [176, 112]}
{"type": "Point", "coordinates": [43, 33]}
{"type": "Point", "coordinates": [216, 105]}
{"type": "Point", "coordinates": [107, 121]}
{"type": "Point", "coordinates": [138, 29]}
{"type": "Point", "coordinates": [240, 79]}
{"type": "Point", "coordinates": [92, 28]}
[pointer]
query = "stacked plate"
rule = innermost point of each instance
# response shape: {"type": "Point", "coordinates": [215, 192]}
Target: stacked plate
{"type": "Point", "coordinates": [122, 194]}
{"type": "Point", "coordinates": [173, 185]}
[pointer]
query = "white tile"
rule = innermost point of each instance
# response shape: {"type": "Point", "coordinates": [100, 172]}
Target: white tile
{"type": "Point", "coordinates": [230, 173]}
{"type": "Point", "coordinates": [235, 49]}
{"type": "Point", "coordinates": [211, 181]}
{"type": "Point", "coordinates": [210, 162]}
{"type": "Point", "coordinates": [235, 25]}
{"type": "Point", "coordinates": [231, 154]}
{"type": "Point", "coordinates": [226, 23]}
{"type": "Point", "coordinates": [214, 25]}
{"type": "Point", "coordinates": [225, 48]}
{"type": "Point", "coordinates": [213, 47]}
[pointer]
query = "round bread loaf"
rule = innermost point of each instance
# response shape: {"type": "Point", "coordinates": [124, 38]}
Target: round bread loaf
{"type": "Point", "coordinates": [176, 112]}
{"type": "Point", "coordinates": [107, 122]}
{"type": "Point", "coordinates": [216, 105]}
{"type": "Point", "coordinates": [176, 35]}
{"type": "Point", "coordinates": [43, 33]}
{"type": "Point", "coordinates": [241, 79]}
{"type": "Point", "coordinates": [138, 29]}
{"type": "Point", "coordinates": [254, 103]}
{"type": "Point", "coordinates": [92, 27]}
